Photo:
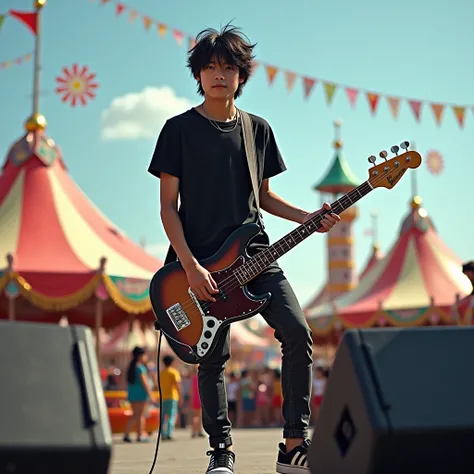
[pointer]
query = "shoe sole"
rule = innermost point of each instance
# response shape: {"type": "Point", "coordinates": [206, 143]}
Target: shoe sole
{"type": "Point", "coordinates": [287, 469]}
{"type": "Point", "coordinates": [220, 470]}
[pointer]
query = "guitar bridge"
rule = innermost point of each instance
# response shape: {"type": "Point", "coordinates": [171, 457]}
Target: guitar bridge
{"type": "Point", "coordinates": [178, 317]}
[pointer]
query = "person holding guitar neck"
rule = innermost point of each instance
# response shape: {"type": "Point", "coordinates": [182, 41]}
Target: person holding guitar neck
{"type": "Point", "coordinates": [200, 158]}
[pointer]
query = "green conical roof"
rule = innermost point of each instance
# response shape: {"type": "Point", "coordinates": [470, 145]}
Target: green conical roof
{"type": "Point", "coordinates": [339, 178]}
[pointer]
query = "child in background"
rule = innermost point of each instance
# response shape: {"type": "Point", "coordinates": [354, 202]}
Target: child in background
{"type": "Point", "coordinates": [196, 410]}
{"type": "Point", "coordinates": [319, 386]}
{"type": "Point", "coordinates": [170, 381]}
{"type": "Point", "coordinates": [277, 399]}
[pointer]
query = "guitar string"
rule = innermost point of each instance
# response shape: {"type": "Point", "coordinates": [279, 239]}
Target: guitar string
{"type": "Point", "coordinates": [227, 284]}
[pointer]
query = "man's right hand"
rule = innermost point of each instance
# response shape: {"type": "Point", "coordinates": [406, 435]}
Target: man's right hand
{"type": "Point", "coordinates": [201, 282]}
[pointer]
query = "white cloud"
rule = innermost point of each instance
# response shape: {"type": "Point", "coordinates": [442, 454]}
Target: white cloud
{"type": "Point", "coordinates": [141, 114]}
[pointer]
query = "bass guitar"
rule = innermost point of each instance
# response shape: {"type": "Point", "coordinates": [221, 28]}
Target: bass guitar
{"type": "Point", "coordinates": [192, 327]}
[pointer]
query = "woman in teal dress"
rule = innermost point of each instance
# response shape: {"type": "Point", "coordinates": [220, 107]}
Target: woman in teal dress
{"type": "Point", "coordinates": [139, 393]}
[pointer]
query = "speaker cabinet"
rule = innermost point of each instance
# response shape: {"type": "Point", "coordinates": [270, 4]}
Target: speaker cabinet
{"type": "Point", "coordinates": [398, 401]}
{"type": "Point", "coordinates": [53, 413]}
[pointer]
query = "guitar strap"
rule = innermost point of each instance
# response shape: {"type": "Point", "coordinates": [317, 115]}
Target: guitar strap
{"type": "Point", "coordinates": [251, 153]}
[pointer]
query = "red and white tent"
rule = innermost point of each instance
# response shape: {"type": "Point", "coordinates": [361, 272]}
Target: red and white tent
{"type": "Point", "coordinates": [62, 255]}
{"type": "Point", "coordinates": [416, 283]}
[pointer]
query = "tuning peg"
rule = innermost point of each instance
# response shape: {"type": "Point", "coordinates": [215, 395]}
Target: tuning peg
{"type": "Point", "coordinates": [405, 145]}
{"type": "Point", "coordinates": [383, 154]}
{"type": "Point", "coordinates": [395, 149]}
{"type": "Point", "coordinates": [372, 159]}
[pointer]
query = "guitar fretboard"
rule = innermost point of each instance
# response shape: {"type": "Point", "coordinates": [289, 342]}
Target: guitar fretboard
{"type": "Point", "coordinates": [258, 263]}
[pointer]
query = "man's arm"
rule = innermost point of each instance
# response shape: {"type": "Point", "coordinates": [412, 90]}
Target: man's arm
{"type": "Point", "coordinates": [200, 280]}
{"type": "Point", "coordinates": [274, 204]}
{"type": "Point", "coordinates": [169, 191]}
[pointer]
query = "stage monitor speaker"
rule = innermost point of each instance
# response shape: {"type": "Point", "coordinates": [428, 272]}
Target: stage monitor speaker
{"type": "Point", "coordinates": [53, 413]}
{"type": "Point", "coordinates": [398, 401]}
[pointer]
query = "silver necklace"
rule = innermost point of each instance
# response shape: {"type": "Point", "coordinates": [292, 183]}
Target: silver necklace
{"type": "Point", "coordinates": [216, 125]}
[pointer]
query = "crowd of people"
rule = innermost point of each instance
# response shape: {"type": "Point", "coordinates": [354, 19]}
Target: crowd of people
{"type": "Point", "coordinates": [254, 396]}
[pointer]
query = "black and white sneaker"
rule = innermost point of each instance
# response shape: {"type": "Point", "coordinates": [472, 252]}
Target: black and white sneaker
{"type": "Point", "coordinates": [221, 462]}
{"type": "Point", "coordinates": [294, 461]}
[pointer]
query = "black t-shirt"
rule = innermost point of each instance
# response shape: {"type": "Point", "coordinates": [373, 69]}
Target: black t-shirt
{"type": "Point", "coordinates": [215, 188]}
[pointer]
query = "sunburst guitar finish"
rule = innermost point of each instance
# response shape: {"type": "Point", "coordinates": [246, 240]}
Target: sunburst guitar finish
{"type": "Point", "coordinates": [192, 327]}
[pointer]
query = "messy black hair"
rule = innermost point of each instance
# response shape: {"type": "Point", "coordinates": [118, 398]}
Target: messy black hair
{"type": "Point", "coordinates": [229, 45]}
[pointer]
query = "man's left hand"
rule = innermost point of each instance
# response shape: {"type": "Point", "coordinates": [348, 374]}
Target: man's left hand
{"type": "Point", "coordinates": [329, 220]}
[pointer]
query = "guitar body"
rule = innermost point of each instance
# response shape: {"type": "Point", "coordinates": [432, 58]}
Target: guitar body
{"type": "Point", "coordinates": [191, 327]}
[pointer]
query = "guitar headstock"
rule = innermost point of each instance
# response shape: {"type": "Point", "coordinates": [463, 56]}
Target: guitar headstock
{"type": "Point", "coordinates": [389, 173]}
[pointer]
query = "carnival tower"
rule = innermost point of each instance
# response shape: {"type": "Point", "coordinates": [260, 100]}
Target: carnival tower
{"type": "Point", "coordinates": [339, 179]}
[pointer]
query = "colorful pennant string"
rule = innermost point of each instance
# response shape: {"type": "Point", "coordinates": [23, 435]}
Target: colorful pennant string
{"type": "Point", "coordinates": [16, 61]}
{"type": "Point", "coordinates": [272, 72]}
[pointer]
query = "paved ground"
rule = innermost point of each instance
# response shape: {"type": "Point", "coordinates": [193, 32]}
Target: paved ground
{"type": "Point", "coordinates": [255, 449]}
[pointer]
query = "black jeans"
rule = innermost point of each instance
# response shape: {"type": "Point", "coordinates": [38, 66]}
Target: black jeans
{"type": "Point", "coordinates": [285, 316]}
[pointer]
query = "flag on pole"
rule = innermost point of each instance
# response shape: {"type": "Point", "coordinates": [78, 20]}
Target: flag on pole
{"type": "Point", "coordinates": [29, 19]}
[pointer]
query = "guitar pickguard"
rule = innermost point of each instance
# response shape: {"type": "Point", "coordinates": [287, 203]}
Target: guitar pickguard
{"type": "Point", "coordinates": [211, 325]}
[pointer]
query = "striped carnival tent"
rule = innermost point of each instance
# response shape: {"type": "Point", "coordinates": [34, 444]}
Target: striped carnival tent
{"type": "Point", "coordinates": [62, 256]}
{"type": "Point", "coordinates": [416, 283]}
{"type": "Point", "coordinates": [375, 256]}
{"type": "Point", "coordinates": [324, 295]}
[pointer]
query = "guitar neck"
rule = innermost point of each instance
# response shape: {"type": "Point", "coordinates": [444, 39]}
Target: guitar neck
{"type": "Point", "coordinates": [261, 261]}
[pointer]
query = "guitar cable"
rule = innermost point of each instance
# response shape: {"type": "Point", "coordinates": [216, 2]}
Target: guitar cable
{"type": "Point", "coordinates": [157, 447]}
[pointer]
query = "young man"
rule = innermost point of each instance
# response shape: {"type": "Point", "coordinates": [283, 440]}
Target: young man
{"type": "Point", "coordinates": [200, 157]}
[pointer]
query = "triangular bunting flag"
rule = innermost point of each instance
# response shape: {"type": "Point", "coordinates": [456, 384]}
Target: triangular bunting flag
{"type": "Point", "coordinates": [271, 73]}
{"type": "Point", "coordinates": [192, 42]}
{"type": "Point", "coordinates": [459, 113]}
{"type": "Point", "coordinates": [438, 110]}
{"type": "Point", "coordinates": [178, 36]}
{"type": "Point", "coordinates": [119, 8]}
{"type": "Point", "coordinates": [308, 84]}
{"type": "Point", "coordinates": [415, 106]}
{"type": "Point", "coordinates": [28, 56]}
{"type": "Point", "coordinates": [290, 80]}
{"type": "Point", "coordinates": [27, 18]}
{"type": "Point", "coordinates": [373, 101]}
{"type": "Point", "coordinates": [352, 95]}
{"type": "Point", "coordinates": [255, 66]}
{"type": "Point", "coordinates": [394, 104]}
{"type": "Point", "coordinates": [132, 16]}
{"type": "Point", "coordinates": [103, 2]}
{"type": "Point", "coordinates": [2, 19]}
{"type": "Point", "coordinates": [19, 61]}
{"type": "Point", "coordinates": [147, 22]}
{"type": "Point", "coordinates": [329, 89]}
{"type": "Point", "coordinates": [162, 29]}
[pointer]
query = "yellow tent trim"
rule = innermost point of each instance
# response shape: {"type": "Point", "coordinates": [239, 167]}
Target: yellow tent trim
{"type": "Point", "coordinates": [126, 304]}
{"type": "Point", "coordinates": [51, 303]}
{"type": "Point", "coordinates": [424, 317]}
{"type": "Point", "coordinates": [63, 303]}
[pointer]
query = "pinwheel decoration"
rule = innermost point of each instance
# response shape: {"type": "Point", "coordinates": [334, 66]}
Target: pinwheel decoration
{"type": "Point", "coordinates": [76, 85]}
{"type": "Point", "coordinates": [435, 162]}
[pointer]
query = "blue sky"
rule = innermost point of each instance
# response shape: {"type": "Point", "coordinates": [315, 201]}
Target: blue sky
{"type": "Point", "coordinates": [421, 50]}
